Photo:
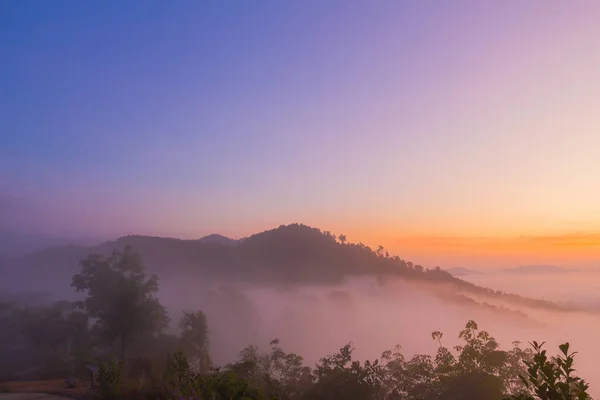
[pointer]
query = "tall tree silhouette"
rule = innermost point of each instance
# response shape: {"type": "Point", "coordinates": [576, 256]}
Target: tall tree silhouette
{"type": "Point", "coordinates": [120, 297]}
{"type": "Point", "coordinates": [194, 339]}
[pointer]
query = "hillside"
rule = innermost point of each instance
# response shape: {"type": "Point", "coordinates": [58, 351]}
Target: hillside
{"type": "Point", "coordinates": [292, 254]}
{"type": "Point", "coordinates": [18, 245]}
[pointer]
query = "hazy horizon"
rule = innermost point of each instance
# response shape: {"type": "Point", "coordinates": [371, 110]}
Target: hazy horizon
{"type": "Point", "coordinates": [463, 135]}
{"type": "Point", "coordinates": [464, 130]}
{"type": "Point", "coordinates": [575, 251]}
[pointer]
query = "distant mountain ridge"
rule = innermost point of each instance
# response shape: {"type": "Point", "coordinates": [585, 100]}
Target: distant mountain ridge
{"type": "Point", "coordinates": [521, 270]}
{"type": "Point", "coordinates": [215, 238]}
{"type": "Point", "coordinates": [289, 254]}
{"type": "Point", "coordinates": [18, 244]}
{"type": "Point", "coordinates": [537, 269]}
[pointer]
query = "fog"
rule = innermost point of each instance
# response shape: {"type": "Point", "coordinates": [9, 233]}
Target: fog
{"type": "Point", "coordinates": [314, 321]}
{"type": "Point", "coordinates": [441, 148]}
{"type": "Point", "coordinates": [579, 286]}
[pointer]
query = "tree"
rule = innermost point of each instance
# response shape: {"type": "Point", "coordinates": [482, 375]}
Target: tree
{"type": "Point", "coordinates": [54, 337]}
{"type": "Point", "coordinates": [120, 297]}
{"type": "Point", "coordinates": [47, 340]}
{"type": "Point", "coordinates": [552, 378]}
{"type": "Point", "coordinates": [194, 339]}
{"type": "Point", "coordinates": [475, 385]}
{"type": "Point", "coordinates": [339, 377]}
{"type": "Point", "coordinates": [478, 370]}
{"type": "Point", "coordinates": [291, 375]}
{"type": "Point", "coordinates": [342, 239]}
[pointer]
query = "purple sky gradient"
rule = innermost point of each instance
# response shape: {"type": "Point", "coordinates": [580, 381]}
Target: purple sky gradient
{"type": "Point", "coordinates": [411, 117]}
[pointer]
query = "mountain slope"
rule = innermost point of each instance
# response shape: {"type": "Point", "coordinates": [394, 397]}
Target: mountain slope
{"type": "Point", "coordinates": [292, 254]}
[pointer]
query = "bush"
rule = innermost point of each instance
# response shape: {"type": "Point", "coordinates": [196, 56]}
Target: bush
{"type": "Point", "coordinates": [552, 378]}
{"type": "Point", "coordinates": [109, 380]}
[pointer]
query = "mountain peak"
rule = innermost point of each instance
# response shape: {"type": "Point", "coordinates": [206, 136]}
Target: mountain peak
{"type": "Point", "coordinates": [216, 238]}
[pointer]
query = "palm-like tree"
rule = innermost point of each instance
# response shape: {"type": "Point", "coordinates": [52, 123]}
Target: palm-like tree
{"type": "Point", "coordinates": [342, 239]}
{"type": "Point", "coordinates": [194, 339]}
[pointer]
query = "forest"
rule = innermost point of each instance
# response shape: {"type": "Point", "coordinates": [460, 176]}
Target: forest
{"type": "Point", "coordinates": [293, 254]}
{"type": "Point", "coordinates": [121, 327]}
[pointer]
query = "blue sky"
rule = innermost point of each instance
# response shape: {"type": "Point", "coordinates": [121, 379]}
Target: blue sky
{"type": "Point", "coordinates": [147, 97]}
{"type": "Point", "coordinates": [381, 118]}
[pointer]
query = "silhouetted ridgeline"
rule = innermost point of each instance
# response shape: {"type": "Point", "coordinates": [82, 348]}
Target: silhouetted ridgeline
{"type": "Point", "coordinates": [292, 254]}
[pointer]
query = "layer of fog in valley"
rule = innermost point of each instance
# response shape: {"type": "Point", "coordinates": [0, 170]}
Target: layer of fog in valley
{"type": "Point", "coordinates": [314, 321]}
{"type": "Point", "coordinates": [579, 286]}
{"type": "Point", "coordinates": [307, 289]}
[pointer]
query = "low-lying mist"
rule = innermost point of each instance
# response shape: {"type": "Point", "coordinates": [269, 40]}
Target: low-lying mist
{"type": "Point", "coordinates": [316, 294]}
{"type": "Point", "coordinates": [317, 320]}
{"type": "Point", "coordinates": [578, 286]}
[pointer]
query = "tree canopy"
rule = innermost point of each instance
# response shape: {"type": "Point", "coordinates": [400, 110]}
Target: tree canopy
{"type": "Point", "coordinates": [120, 297]}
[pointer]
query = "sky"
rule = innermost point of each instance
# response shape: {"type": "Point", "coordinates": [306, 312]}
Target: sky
{"type": "Point", "coordinates": [461, 132]}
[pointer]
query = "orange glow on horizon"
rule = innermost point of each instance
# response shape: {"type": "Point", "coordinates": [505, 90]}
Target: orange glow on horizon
{"type": "Point", "coordinates": [569, 248]}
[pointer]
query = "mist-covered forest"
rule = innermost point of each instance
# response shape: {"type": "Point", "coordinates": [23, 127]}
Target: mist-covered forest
{"type": "Point", "coordinates": [290, 255]}
{"type": "Point", "coordinates": [117, 317]}
{"type": "Point", "coordinates": [435, 166]}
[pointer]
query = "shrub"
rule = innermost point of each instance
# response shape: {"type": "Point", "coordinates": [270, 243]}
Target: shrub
{"type": "Point", "coordinates": [109, 380]}
{"type": "Point", "coordinates": [552, 378]}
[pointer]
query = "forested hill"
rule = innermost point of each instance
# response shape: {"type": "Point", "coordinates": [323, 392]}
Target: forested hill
{"type": "Point", "coordinates": [292, 254]}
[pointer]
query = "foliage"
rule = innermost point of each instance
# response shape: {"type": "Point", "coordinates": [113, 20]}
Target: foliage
{"type": "Point", "coordinates": [477, 369]}
{"type": "Point", "coordinates": [338, 376]}
{"type": "Point", "coordinates": [179, 379]}
{"type": "Point", "coordinates": [110, 375]}
{"type": "Point", "coordinates": [47, 340]}
{"type": "Point", "coordinates": [226, 385]}
{"type": "Point", "coordinates": [552, 378]}
{"type": "Point", "coordinates": [288, 370]}
{"type": "Point", "coordinates": [194, 339]}
{"type": "Point", "coordinates": [122, 307]}
{"type": "Point", "coordinates": [182, 382]}
{"type": "Point", "coordinates": [120, 297]}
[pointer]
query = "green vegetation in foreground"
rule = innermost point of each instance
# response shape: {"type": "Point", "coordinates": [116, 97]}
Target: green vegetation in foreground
{"type": "Point", "coordinates": [120, 325]}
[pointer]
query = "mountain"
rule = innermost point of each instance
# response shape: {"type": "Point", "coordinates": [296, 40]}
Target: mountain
{"type": "Point", "coordinates": [17, 244]}
{"type": "Point", "coordinates": [220, 239]}
{"type": "Point", "coordinates": [292, 254]}
{"type": "Point", "coordinates": [537, 269]}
